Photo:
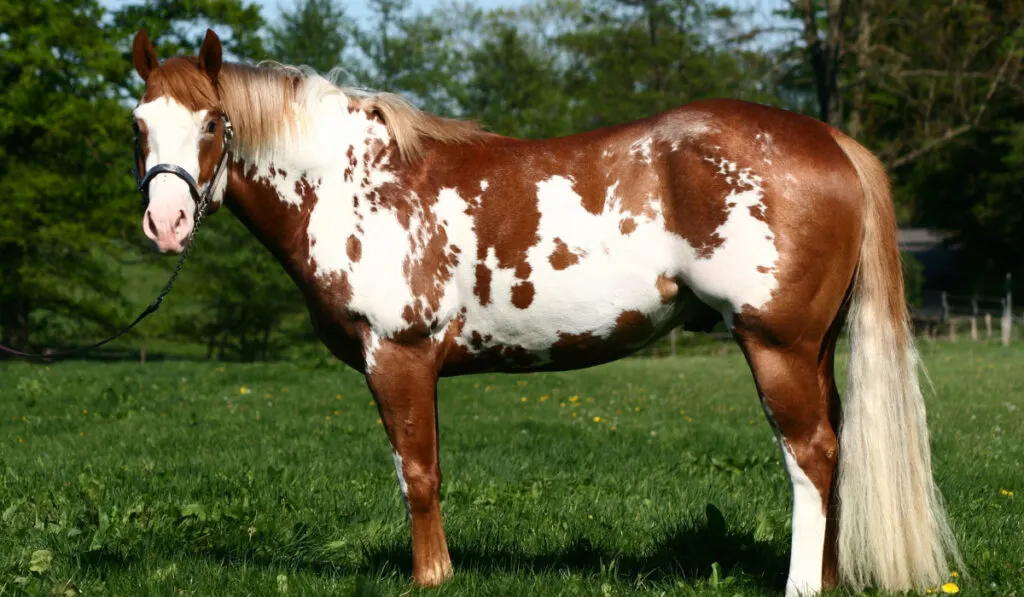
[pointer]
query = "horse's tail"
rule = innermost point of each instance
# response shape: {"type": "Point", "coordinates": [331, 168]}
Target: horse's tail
{"type": "Point", "coordinates": [893, 531]}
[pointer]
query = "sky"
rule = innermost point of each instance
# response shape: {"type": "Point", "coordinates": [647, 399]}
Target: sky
{"type": "Point", "coordinates": [359, 10]}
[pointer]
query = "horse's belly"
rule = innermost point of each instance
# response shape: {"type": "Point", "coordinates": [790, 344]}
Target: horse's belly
{"type": "Point", "coordinates": [573, 319]}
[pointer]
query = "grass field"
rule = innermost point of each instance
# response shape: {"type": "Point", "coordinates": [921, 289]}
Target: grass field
{"type": "Point", "coordinates": [640, 477]}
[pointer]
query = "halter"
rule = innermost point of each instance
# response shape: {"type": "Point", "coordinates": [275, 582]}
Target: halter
{"type": "Point", "coordinates": [202, 200]}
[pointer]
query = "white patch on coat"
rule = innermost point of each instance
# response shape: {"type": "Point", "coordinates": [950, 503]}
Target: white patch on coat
{"type": "Point", "coordinates": [808, 544]}
{"type": "Point", "coordinates": [321, 155]}
{"type": "Point", "coordinates": [173, 135]}
{"type": "Point", "coordinates": [402, 485]}
{"type": "Point", "coordinates": [642, 149]}
{"type": "Point", "coordinates": [483, 185]}
{"type": "Point", "coordinates": [730, 279]}
{"type": "Point", "coordinates": [370, 353]}
{"type": "Point", "coordinates": [614, 273]}
{"type": "Point", "coordinates": [766, 145]}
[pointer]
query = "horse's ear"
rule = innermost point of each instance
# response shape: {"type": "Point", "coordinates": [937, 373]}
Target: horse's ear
{"type": "Point", "coordinates": [143, 55]}
{"type": "Point", "coordinates": [210, 54]}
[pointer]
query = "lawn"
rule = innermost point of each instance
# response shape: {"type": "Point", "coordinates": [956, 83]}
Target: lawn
{"type": "Point", "coordinates": [639, 477]}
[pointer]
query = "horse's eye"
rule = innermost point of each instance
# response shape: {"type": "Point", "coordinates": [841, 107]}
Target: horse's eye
{"type": "Point", "coordinates": [211, 127]}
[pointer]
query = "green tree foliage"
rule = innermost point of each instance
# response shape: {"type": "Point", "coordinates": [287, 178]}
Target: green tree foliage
{"type": "Point", "coordinates": [178, 26]}
{"type": "Point", "coordinates": [64, 163]}
{"type": "Point", "coordinates": [514, 86]}
{"type": "Point", "coordinates": [628, 60]}
{"type": "Point", "coordinates": [240, 303]}
{"type": "Point", "coordinates": [419, 55]}
{"type": "Point", "coordinates": [314, 33]}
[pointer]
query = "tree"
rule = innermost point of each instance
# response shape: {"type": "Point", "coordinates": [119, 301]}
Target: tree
{"type": "Point", "coordinates": [315, 34]}
{"type": "Point", "coordinates": [628, 59]}
{"type": "Point", "coordinates": [64, 161]}
{"type": "Point", "coordinates": [514, 85]}
{"type": "Point", "coordinates": [69, 209]}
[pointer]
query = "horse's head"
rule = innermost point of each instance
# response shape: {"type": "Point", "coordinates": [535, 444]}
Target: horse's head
{"type": "Point", "coordinates": [181, 141]}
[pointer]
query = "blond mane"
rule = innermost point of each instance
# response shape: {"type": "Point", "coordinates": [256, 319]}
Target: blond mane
{"type": "Point", "coordinates": [264, 103]}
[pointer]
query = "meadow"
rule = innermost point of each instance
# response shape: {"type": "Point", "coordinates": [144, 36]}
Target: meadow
{"type": "Point", "coordinates": [642, 477]}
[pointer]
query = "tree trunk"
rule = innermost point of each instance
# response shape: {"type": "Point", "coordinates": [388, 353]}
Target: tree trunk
{"type": "Point", "coordinates": [14, 321]}
{"type": "Point", "coordinates": [862, 49]}
{"type": "Point", "coordinates": [825, 56]}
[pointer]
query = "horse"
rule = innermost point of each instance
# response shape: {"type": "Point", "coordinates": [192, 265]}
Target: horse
{"type": "Point", "coordinates": [428, 247]}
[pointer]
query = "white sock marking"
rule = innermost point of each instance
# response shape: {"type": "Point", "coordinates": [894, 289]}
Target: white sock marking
{"type": "Point", "coordinates": [808, 545]}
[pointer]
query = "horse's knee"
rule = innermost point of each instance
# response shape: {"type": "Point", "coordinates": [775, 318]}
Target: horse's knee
{"type": "Point", "coordinates": [423, 483]}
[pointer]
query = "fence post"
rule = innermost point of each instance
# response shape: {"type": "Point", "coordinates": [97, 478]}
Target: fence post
{"type": "Point", "coordinates": [1007, 323]}
{"type": "Point", "coordinates": [988, 326]}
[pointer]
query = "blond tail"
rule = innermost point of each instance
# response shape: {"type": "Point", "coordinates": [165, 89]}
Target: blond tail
{"type": "Point", "coordinates": [893, 531]}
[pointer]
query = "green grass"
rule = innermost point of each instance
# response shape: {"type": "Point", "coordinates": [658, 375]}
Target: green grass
{"type": "Point", "coordinates": [170, 479]}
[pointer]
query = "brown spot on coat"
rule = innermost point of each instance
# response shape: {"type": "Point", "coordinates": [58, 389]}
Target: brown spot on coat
{"type": "Point", "coordinates": [627, 226]}
{"type": "Point", "coordinates": [354, 248]}
{"type": "Point", "coordinates": [562, 257]}
{"type": "Point", "coordinates": [522, 294]}
{"type": "Point", "coordinates": [482, 288]}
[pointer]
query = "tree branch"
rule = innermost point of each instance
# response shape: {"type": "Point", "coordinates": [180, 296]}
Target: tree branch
{"type": "Point", "coordinates": [929, 146]}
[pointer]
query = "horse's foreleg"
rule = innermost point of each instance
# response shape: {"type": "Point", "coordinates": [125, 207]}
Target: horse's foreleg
{"type": "Point", "coordinates": [404, 383]}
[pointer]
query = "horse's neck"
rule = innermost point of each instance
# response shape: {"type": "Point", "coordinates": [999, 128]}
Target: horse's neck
{"type": "Point", "coordinates": [275, 197]}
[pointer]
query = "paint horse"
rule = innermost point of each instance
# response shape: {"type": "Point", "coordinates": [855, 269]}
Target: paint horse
{"type": "Point", "coordinates": [426, 247]}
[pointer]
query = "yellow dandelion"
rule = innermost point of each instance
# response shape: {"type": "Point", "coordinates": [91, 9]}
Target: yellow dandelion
{"type": "Point", "coordinates": [243, 390]}
{"type": "Point", "coordinates": [21, 441]}
{"type": "Point", "coordinates": [338, 397]}
{"type": "Point", "coordinates": [636, 409]}
{"type": "Point", "coordinates": [562, 405]}
{"type": "Point", "coordinates": [597, 419]}
{"type": "Point", "coordinates": [379, 422]}
{"type": "Point", "coordinates": [523, 399]}
{"type": "Point", "coordinates": [1006, 492]}
{"type": "Point", "coordinates": [574, 414]}
{"type": "Point", "coordinates": [543, 398]}
{"type": "Point", "coordinates": [954, 574]}
{"type": "Point", "coordinates": [613, 427]}
{"type": "Point", "coordinates": [327, 418]}
{"type": "Point", "coordinates": [85, 411]}
{"type": "Point", "coordinates": [336, 413]}
{"type": "Point", "coordinates": [950, 588]}
{"type": "Point", "coordinates": [81, 434]}
{"type": "Point", "coordinates": [574, 399]}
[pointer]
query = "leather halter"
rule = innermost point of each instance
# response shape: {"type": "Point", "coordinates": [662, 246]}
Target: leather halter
{"type": "Point", "coordinates": [201, 198]}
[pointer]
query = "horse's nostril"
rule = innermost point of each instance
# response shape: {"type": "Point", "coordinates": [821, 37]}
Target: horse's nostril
{"type": "Point", "coordinates": [150, 224]}
{"type": "Point", "coordinates": [182, 218]}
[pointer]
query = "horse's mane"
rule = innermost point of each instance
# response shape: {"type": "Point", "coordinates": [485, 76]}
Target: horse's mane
{"type": "Point", "coordinates": [267, 102]}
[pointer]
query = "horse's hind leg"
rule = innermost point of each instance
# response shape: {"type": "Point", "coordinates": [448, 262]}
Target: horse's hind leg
{"type": "Point", "coordinates": [794, 381]}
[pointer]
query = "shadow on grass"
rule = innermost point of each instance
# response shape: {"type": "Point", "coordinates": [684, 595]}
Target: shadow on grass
{"type": "Point", "coordinates": [685, 554]}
